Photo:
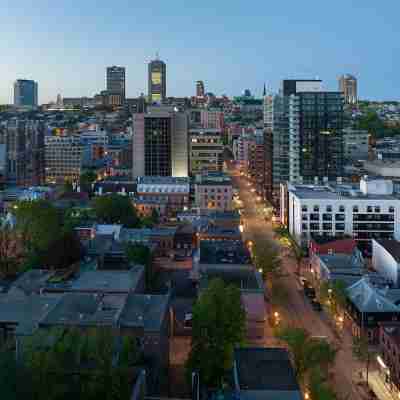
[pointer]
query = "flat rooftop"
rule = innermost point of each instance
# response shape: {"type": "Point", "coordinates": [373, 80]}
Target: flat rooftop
{"type": "Point", "coordinates": [162, 180]}
{"type": "Point", "coordinates": [85, 309]}
{"type": "Point", "coordinates": [265, 369]}
{"type": "Point", "coordinates": [224, 252]}
{"type": "Point", "coordinates": [143, 310]}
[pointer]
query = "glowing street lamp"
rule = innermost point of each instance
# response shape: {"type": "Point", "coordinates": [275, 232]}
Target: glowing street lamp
{"type": "Point", "coordinates": [241, 228]}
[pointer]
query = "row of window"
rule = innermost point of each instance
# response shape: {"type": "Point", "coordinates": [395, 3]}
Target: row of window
{"type": "Point", "coordinates": [325, 227]}
{"type": "Point", "coordinates": [342, 208]}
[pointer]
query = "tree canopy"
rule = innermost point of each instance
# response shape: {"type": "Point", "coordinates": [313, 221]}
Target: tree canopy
{"type": "Point", "coordinates": [116, 209]}
{"type": "Point", "coordinates": [218, 327]}
{"type": "Point", "coordinates": [266, 258]}
{"type": "Point", "coordinates": [62, 364]}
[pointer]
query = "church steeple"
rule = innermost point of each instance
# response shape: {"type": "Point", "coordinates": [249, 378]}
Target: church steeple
{"type": "Point", "coordinates": [265, 90]}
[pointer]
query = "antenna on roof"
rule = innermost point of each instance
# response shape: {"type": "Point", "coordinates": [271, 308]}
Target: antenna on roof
{"type": "Point", "coordinates": [157, 55]}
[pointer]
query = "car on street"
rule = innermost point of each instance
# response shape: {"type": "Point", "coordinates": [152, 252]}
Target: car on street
{"type": "Point", "coordinates": [316, 305]}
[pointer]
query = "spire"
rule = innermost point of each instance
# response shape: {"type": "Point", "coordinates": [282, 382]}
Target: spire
{"type": "Point", "coordinates": [265, 90]}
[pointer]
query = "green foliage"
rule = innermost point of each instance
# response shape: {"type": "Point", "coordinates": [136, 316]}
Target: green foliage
{"type": "Point", "coordinates": [152, 220]}
{"type": "Point", "coordinates": [116, 209]}
{"type": "Point", "coordinates": [38, 223]}
{"type": "Point", "coordinates": [218, 327]}
{"type": "Point", "coordinates": [86, 179]}
{"type": "Point", "coordinates": [307, 353]}
{"type": "Point", "coordinates": [141, 254]}
{"type": "Point", "coordinates": [60, 364]}
{"type": "Point", "coordinates": [333, 293]}
{"type": "Point", "coordinates": [375, 125]}
{"type": "Point", "coordinates": [319, 388]}
{"type": "Point", "coordinates": [266, 258]}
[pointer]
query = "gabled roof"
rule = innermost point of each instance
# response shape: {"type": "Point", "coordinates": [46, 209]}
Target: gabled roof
{"type": "Point", "coordinates": [368, 298]}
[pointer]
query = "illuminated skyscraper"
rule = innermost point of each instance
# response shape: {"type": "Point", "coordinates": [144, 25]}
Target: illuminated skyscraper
{"type": "Point", "coordinates": [157, 81]}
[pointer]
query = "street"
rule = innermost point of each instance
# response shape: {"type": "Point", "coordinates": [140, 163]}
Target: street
{"type": "Point", "coordinates": [298, 311]}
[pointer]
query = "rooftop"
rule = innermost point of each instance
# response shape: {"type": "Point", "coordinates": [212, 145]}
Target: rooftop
{"type": "Point", "coordinates": [224, 252]}
{"type": "Point", "coordinates": [162, 180]}
{"type": "Point", "coordinates": [243, 278]}
{"type": "Point", "coordinates": [265, 369]}
{"type": "Point", "coordinates": [85, 309]}
{"type": "Point", "coordinates": [145, 310]}
{"type": "Point", "coordinates": [391, 246]}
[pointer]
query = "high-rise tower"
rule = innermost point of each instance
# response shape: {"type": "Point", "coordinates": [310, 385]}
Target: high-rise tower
{"type": "Point", "coordinates": [115, 84]}
{"type": "Point", "coordinates": [348, 85]}
{"type": "Point", "coordinates": [157, 81]}
{"type": "Point", "coordinates": [25, 93]}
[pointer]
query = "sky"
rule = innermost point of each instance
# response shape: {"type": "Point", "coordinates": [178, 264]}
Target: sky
{"type": "Point", "coordinates": [229, 44]}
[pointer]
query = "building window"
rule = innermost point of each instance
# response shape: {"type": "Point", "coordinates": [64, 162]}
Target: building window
{"type": "Point", "coordinates": [377, 209]}
{"type": "Point", "coordinates": [328, 208]}
{"type": "Point", "coordinates": [369, 208]}
{"type": "Point", "coordinates": [355, 209]}
{"type": "Point", "coordinates": [304, 208]}
{"type": "Point", "coordinates": [316, 208]}
{"type": "Point", "coordinates": [391, 209]}
{"type": "Point", "coordinates": [304, 217]}
{"type": "Point", "coordinates": [304, 227]}
{"type": "Point", "coordinates": [327, 227]}
{"type": "Point", "coordinates": [341, 208]}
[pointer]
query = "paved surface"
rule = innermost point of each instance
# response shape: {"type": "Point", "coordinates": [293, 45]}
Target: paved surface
{"type": "Point", "coordinates": [298, 311]}
{"type": "Point", "coordinates": [379, 388]}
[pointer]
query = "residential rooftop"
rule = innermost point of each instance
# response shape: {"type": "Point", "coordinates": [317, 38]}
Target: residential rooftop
{"type": "Point", "coordinates": [162, 180]}
{"type": "Point", "coordinates": [143, 310]}
{"type": "Point", "coordinates": [267, 370]}
{"type": "Point", "coordinates": [224, 252]}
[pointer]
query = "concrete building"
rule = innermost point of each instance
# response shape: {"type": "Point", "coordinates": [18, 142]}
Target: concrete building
{"type": "Point", "coordinates": [356, 144]}
{"type": "Point", "coordinates": [115, 83]}
{"type": "Point", "coordinates": [213, 119]}
{"type": "Point", "coordinates": [264, 373]}
{"type": "Point", "coordinates": [384, 168]}
{"type": "Point", "coordinates": [386, 260]}
{"type": "Point", "coordinates": [25, 93]}
{"type": "Point", "coordinates": [160, 143]}
{"type": "Point", "coordinates": [303, 134]}
{"type": "Point", "coordinates": [366, 212]}
{"type": "Point", "coordinates": [172, 192]}
{"type": "Point", "coordinates": [157, 81]}
{"type": "Point", "coordinates": [348, 86]}
{"type": "Point", "coordinates": [214, 191]}
{"type": "Point", "coordinates": [63, 158]}
{"type": "Point", "coordinates": [206, 148]}
{"type": "Point", "coordinates": [23, 141]}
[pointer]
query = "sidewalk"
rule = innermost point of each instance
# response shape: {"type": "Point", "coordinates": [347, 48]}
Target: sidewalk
{"type": "Point", "coordinates": [378, 386]}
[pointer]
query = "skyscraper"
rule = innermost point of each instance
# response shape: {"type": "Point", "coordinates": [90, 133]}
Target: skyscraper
{"type": "Point", "coordinates": [160, 143]}
{"type": "Point", "coordinates": [304, 134]}
{"type": "Point", "coordinates": [25, 93]}
{"type": "Point", "coordinates": [200, 90]}
{"type": "Point", "coordinates": [348, 85]}
{"type": "Point", "coordinates": [115, 84]}
{"type": "Point", "coordinates": [157, 81]}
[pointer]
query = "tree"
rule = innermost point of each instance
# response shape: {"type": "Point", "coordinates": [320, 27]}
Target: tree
{"type": "Point", "coordinates": [10, 252]}
{"type": "Point", "coordinates": [218, 327]}
{"type": "Point", "coordinates": [266, 258]}
{"type": "Point", "coordinates": [38, 223]}
{"type": "Point", "coordinates": [307, 352]}
{"type": "Point", "coordinates": [64, 363]}
{"type": "Point", "coordinates": [334, 294]}
{"type": "Point", "coordinates": [62, 252]}
{"type": "Point", "coordinates": [116, 209]}
{"type": "Point", "coordinates": [86, 179]}
{"type": "Point", "coordinates": [141, 254]}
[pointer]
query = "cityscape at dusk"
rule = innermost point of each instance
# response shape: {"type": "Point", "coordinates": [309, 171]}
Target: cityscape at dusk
{"type": "Point", "coordinates": [229, 45]}
{"type": "Point", "coordinates": [199, 202]}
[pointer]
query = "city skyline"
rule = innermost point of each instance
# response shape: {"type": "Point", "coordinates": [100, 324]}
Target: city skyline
{"type": "Point", "coordinates": [228, 46]}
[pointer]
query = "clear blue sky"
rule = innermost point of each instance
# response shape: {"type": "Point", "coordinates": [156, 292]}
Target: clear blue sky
{"type": "Point", "coordinates": [230, 44]}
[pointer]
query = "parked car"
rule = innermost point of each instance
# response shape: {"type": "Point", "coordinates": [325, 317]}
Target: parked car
{"type": "Point", "coordinates": [316, 305]}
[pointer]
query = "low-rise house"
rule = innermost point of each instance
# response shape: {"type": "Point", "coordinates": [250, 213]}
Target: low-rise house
{"type": "Point", "coordinates": [146, 207]}
{"type": "Point", "coordinates": [216, 232]}
{"type": "Point", "coordinates": [264, 373]}
{"type": "Point", "coordinates": [331, 245]}
{"type": "Point", "coordinates": [367, 307]}
{"type": "Point", "coordinates": [386, 259]}
{"type": "Point", "coordinates": [185, 239]}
